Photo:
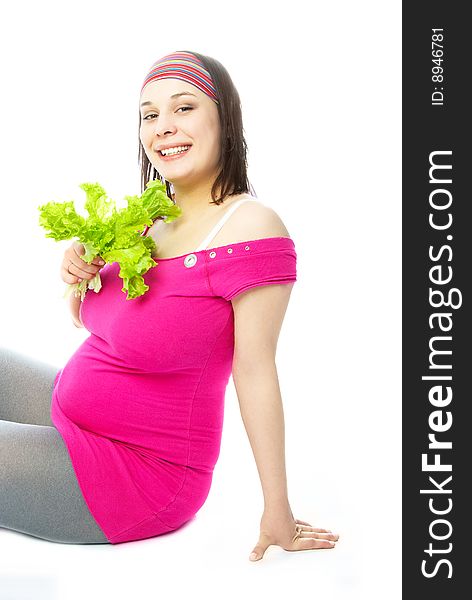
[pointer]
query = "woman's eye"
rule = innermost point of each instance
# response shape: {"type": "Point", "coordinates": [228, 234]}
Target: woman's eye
{"type": "Point", "coordinates": [146, 118]}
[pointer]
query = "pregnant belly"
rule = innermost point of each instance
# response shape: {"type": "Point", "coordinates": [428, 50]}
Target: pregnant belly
{"type": "Point", "coordinates": [124, 405]}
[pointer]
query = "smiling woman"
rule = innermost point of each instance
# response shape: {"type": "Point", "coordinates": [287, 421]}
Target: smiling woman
{"type": "Point", "coordinates": [143, 436]}
{"type": "Point", "coordinates": [218, 98]}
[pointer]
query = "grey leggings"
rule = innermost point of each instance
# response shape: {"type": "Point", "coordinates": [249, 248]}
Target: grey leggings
{"type": "Point", "coordinates": [39, 492]}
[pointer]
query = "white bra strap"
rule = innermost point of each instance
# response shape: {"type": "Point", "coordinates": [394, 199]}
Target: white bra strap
{"type": "Point", "coordinates": [220, 223]}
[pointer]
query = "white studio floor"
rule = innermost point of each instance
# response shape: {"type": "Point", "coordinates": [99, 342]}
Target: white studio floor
{"type": "Point", "coordinates": [208, 557]}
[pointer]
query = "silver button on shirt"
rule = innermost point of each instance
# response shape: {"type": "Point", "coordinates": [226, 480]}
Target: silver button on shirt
{"type": "Point", "coordinates": [190, 260]}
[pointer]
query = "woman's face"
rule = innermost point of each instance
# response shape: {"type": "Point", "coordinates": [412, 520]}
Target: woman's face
{"type": "Point", "coordinates": [187, 120]}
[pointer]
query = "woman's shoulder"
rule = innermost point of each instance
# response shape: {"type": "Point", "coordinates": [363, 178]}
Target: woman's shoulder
{"type": "Point", "coordinates": [256, 250]}
{"type": "Point", "coordinates": [252, 220]}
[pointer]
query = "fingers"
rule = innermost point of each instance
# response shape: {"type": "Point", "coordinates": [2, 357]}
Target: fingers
{"type": "Point", "coordinates": [312, 544]}
{"type": "Point", "coordinates": [84, 270]}
{"type": "Point", "coordinates": [309, 540]}
{"type": "Point", "coordinates": [320, 536]}
{"type": "Point", "coordinates": [75, 269]}
{"type": "Point", "coordinates": [319, 530]}
{"type": "Point", "coordinates": [308, 537]}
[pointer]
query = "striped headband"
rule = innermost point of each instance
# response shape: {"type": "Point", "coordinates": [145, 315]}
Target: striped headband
{"type": "Point", "coordinates": [186, 67]}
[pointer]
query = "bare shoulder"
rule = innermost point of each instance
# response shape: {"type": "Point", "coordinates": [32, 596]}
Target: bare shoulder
{"type": "Point", "coordinates": [250, 221]}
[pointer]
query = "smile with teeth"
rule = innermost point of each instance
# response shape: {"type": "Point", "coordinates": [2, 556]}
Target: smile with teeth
{"type": "Point", "coordinates": [175, 150]}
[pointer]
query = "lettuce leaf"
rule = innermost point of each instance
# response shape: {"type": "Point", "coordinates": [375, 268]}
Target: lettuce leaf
{"type": "Point", "coordinates": [113, 234]}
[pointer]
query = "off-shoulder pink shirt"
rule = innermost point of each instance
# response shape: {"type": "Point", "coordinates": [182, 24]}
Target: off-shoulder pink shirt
{"type": "Point", "coordinates": [140, 403]}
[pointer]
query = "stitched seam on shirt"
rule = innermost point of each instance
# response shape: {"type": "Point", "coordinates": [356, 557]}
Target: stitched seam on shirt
{"type": "Point", "coordinates": [191, 412]}
{"type": "Point", "coordinates": [280, 280]}
{"type": "Point", "coordinates": [137, 525]}
{"type": "Point", "coordinates": [165, 524]}
{"type": "Point", "coordinates": [292, 251]}
{"type": "Point", "coordinates": [207, 273]}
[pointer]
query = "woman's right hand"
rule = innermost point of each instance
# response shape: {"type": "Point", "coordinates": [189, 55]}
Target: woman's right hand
{"type": "Point", "coordinates": [74, 268]}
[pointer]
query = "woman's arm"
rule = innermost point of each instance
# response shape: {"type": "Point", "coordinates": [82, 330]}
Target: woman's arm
{"type": "Point", "coordinates": [259, 314]}
{"type": "Point", "coordinates": [262, 413]}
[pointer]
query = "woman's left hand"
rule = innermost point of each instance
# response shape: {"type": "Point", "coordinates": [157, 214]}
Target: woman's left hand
{"type": "Point", "coordinates": [281, 529]}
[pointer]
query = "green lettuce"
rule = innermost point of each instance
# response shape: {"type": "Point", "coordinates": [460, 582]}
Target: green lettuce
{"type": "Point", "coordinates": [113, 234]}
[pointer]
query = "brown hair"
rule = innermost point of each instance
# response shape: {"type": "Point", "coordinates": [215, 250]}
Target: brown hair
{"type": "Point", "coordinates": [232, 176]}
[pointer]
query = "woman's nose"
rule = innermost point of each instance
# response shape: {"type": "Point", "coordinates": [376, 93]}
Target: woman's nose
{"type": "Point", "coordinates": [163, 125]}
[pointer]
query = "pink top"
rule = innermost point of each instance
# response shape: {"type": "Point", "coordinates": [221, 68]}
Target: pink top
{"type": "Point", "coordinates": [140, 403]}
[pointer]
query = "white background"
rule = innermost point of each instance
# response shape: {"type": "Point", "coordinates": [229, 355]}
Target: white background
{"type": "Point", "coordinates": [321, 95]}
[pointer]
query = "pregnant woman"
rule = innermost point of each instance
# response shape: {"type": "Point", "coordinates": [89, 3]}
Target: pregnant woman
{"type": "Point", "coordinates": [121, 443]}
